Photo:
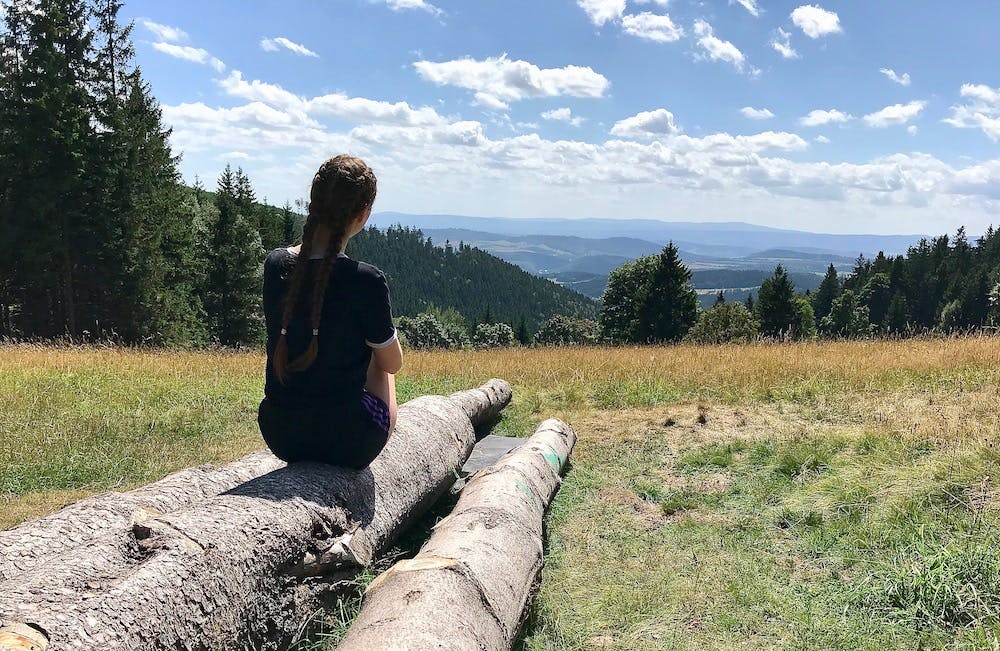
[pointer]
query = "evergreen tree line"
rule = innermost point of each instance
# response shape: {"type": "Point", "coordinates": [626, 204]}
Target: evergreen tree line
{"type": "Point", "coordinates": [99, 239]}
{"type": "Point", "coordinates": [943, 284]}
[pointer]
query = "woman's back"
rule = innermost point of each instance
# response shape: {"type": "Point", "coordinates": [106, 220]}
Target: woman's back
{"type": "Point", "coordinates": [355, 315]}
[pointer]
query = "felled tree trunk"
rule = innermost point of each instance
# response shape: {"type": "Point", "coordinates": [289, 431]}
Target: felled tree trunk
{"type": "Point", "coordinates": [470, 585]}
{"type": "Point", "coordinates": [249, 567]}
{"type": "Point", "coordinates": [31, 543]}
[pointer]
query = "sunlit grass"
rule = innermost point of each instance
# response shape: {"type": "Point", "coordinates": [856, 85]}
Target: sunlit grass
{"type": "Point", "coordinates": [818, 495]}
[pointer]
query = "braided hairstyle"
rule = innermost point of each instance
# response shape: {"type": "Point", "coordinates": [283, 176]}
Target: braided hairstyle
{"type": "Point", "coordinates": [342, 189]}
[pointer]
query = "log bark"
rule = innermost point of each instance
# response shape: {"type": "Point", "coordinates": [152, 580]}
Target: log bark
{"type": "Point", "coordinates": [249, 567]}
{"type": "Point", "coordinates": [31, 543]}
{"type": "Point", "coordinates": [470, 585]}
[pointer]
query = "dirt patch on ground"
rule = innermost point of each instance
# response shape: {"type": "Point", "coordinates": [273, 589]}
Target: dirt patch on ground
{"type": "Point", "coordinates": [690, 425]}
{"type": "Point", "coordinates": [649, 514]}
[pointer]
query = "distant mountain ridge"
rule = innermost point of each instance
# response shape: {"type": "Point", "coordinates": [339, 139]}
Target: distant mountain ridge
{"type": "Point", "coordinates": [740, 238]}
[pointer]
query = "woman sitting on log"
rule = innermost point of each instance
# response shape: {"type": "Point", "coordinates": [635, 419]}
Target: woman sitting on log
{"type": "Point", "coordinates": [332, 351]}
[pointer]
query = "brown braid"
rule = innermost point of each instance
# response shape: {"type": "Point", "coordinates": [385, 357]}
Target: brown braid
{"type": "Point", "coordinates": [342, 189]}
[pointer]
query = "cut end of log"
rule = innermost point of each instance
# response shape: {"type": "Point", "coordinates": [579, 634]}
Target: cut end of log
{"type": "Point", "coordinates": [15, 636]}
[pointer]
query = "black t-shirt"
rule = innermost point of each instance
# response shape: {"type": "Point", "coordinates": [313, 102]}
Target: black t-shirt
{"type": "Point", "coordinates": [356, 317]}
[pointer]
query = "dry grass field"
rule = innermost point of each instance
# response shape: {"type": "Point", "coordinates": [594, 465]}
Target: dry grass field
{"type": "Point", "coordinates": [798, 496]}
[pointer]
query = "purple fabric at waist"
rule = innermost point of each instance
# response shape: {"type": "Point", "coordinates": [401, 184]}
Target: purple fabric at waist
{"type": "Point", "coordinates": [376, 409]}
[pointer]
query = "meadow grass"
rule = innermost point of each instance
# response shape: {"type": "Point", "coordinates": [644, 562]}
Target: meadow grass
{"type": "Point", "coordinates": [816, 495]}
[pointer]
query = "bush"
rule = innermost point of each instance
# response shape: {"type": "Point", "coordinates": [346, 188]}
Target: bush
{"type": "Point", "coordinates": [425, 331]}
{"type": "Point", "coordinates": [562, 330]}
{"type": "Point", "coordinates": [493, 335]}
{"type": "Point", "coordinates": [723, 324]}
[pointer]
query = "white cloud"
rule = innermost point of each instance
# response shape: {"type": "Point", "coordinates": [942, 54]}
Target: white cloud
{"type": "Point", "coordinates": [499, 79]}
{"type": "Point", "coordinates": [823, 140]}
{"type": "Point", "coordinates": [653, 27]}
{"type": "Point", "coordinates": [902, 80]}
{"type": "Point", "coordinates": [717, 49]}
{"type": "Point", "coordinates": [815, 21]}
{"type": "Point", "coordinates": [602, 11]}
{"type": "Point", "coordinates": [275, 44]}
{"type": "Point", "coordinates": [981, 110]}
{"type": "Point", "coordinates": [749, 5]}
{"type": "Point", "coordinates": [490, 102]}
{"type": "Point", "coordinates": [895, 114]}
{"type": "Point", "coordinates": [912, 129]}
{"type": "Point", "coordinates": [647, 124]}
{"type": "Point", "coordinates": [563, 115]}
{"type": "Point", "coordinates": [782, 44]}
{"type": "Point", "coordinates": [756, 114]}
{"type": "Point", "coordinates": [164, 32]}
{"type": "Point", "coordinates": [404, 5]}
{"type": "Point", "coordinates": [193, 54]}
{"type": "Point", "coordinates": [335, 105]}
{"type": "Point", "coordinates": [819, 117]}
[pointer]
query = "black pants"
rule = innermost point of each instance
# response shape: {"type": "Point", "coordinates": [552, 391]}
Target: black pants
{"type": "Point", "coordinates": [341, 435]}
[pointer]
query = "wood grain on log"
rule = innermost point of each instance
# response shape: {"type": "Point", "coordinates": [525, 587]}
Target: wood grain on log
{"type": "Point", "coordinates": [31, 543]}
{"type": "Point", "coordinates": [247, 568]}
{"type": "Point", "coordinates": [470, 585]}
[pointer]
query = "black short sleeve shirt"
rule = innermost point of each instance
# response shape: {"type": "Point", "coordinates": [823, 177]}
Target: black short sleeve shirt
{"type": "Point", "coordinates": [356, 317]}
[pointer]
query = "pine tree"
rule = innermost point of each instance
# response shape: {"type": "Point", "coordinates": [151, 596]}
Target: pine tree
{"type": "Point", "coordinates": [48, 127]}
{"type": "Point", "coordinates": [775, 308]}
{"type": "Point", "coordinates": [720, 297]}
{"type": "Point", "coordinates": [827, 292]}
{"type": "Point", "coordinates": [289, 231]}
{"type": "Point", "coordinates": [669, 307]}
{"type": "Point", "coordinates": [522, 332]}
{"type": "Point", "coordinates": [232, 295]}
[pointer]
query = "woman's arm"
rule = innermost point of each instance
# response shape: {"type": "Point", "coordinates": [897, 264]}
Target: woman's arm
{"type": "Point", "coordinates": [389, 357]}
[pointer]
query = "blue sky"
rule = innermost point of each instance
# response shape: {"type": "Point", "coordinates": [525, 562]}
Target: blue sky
{"type": "Point", "coordinates": [838, 117]}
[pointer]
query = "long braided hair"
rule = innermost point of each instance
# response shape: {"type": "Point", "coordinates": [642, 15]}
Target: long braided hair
{"type": "Point", "coordinates": [342, 189]}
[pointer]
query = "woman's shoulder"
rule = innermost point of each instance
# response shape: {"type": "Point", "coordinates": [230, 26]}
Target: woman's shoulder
{"type": "Point", "coordinates": [370, 270]}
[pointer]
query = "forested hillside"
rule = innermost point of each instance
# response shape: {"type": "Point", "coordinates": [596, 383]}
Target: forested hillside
{"type": "Point", "coordinates": [480, 286]}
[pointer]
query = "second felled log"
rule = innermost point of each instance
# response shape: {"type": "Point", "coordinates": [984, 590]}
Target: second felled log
{"type": "Point", "coordinates": [470, 585]}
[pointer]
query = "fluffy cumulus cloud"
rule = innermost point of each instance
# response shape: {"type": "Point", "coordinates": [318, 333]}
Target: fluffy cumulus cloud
{"type": "Point", "coordinates": [756, 113]}
{"type": "Point", "coordinates": [979, 110]}
{"type": "Point", "coordinates": [781, 43]}
{"type": "Point", "coordinates": [405, 5]}
{"type": "Point", "coordinates": [279, 43]}
{"type": "Point", "coordinates": [716, 49]}
{"type": "Point", "coordinates": [820, 117]}
{"type": "Point", "coordinates": [335, 105]}
{"type": "Point", "coordinates": [823, 140]}
{"type": "Point", "coordinates": [895, 114]}
{"type": "Point", "coordinates": [902, 80]}
{"type": "Point", "coordinates": [164, 33]}
{"type": "Point", "coordinates": [602, 11]}
{"type": "Point", "coordinates": [563, 115]}
{"type": "Point", "coordinates": [499, 80]}
{"type": "Point", "coordinates": [647, 124]}
{"type": "Point", "coordinates": [815, 22]}
{"type": "Point", "coordinates": [193, 54]}
{"type": "Point", "coordinates": [653, 27]}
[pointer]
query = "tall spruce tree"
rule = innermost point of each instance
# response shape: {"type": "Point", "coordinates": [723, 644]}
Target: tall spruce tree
{"type": "Point", "coordinates": [669, 306]}
{"type": "Point", "coordinates": [233, 281]}
{"type": "Point", "coordinates": [827, 292]}
{"type": "Point", "coordinates": [775, 306]}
